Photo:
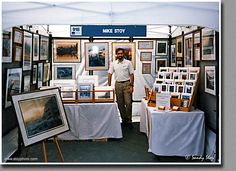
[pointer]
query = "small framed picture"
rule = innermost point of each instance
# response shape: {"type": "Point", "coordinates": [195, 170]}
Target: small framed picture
{"type": "Point", "coordinates": [88, 79]}
{"type": "Point", "coordinates": [168, 75]}
{"type": "Point", "coordinates": [161, 47]}
{"type": "Point", "coordinates": [184, 103]}
{"type": "Point", "coordinates": [208, 44]}
{"type": "Point", "coordinates": [210, 80]}
{"type": "Point", "coordinates": [17, 36]}
{"type": "Point", "coordinates": [159, 81]}
{"type": "Point", "coordinates": [183, 69]}
{"type": "Point", "coordinates": [145, 56]}
{"type": "Point", "coordinates": [188, 52]}
{"type": "Point", "coordinates": [40, 75]}
{"type": "Point", "coordinates": [146, 68]}
{"type": "Point", "coordinates": [175, 95]}
{"type": "Point", "coordinates": [179, 82]}
{"type": "Point", "coordinates": [27, 51]}
{"type": "Point", "coordinates": [164, 87]}
{"type": "Point", "coordinates": [188, 89]}
{"type": "Point", "coordinates": [184, 75]}
{"type": "Point", "coordinates": [160, 62]}
{"type": "Point", "coordinates": [161, 75]}
{"type": "Point", "coordinates": [68, 93]}
{"type": "Point", "coordinates": [179, 47]}
{"type": "Point", "coordinates": [173, 55]}
{"type": "Point", "coordinates": [176, 75]}
{"type": "Point", "coordinates": [163, 69]}
{"type": "Point", "coordinates": [85, 91]}
{"type": "Point", "coordinates": [169, 81]}
{"type": "Point", "coordinates": [194, 69]}
{"type": "Point", "coordinates": [173, 69]}
{"type": "Point", "coordinates": [6, 47]}
{"type": "Point", "coordinates": [17, 53]}
{"type": "Point", "coordinates": [171, 88]}
{"type": "Point", "coordinates": [186, 96]}
{"type": "Point", "coordinates": [157, 88]}
{"type": "Point", "coordinates": [190, 82]}
{"type": "Point", "coordinates": [44, 47]}
{"type": "Point", "coordinates": [64, 72]}
{"type": "Point", "coordinates": [180, 88]}
{"type": "Point", "coordinates": [193, 76]}
{"type": "Point", "coordinates": [46, 72]}
{"type": "Point", "coordinates": [26, 83]}
{"type": "Point", "coordinates": [142, 45]}
{"type": "Point", "coordinates": [43, 121]}
{"type": "Point", "coordinates": [35, 73]}
{"type": "Point", "coordinates": [36, 49]}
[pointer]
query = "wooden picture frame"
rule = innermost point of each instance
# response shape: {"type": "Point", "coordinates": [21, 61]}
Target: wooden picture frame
{"type": "Point", "coordinates": [18, 36]}
{"type": "Point", "coordinates": [210, 80]}
{"type": "Point", "coordinates": [36, 48]}
{"type": "Point", "coordinates": [145, 56]}
{"type": "Point", "coordinates": [13, 84]}
{"type": "Point", "coordinates": [27, 51]}
{"type": "Point", "coordinates": [6, 47]}
{"type": "Point", "coordinates": [188, 52]}
{"type": "Point", "coordinates": [40, 123]}
{"type": "Point", "coordinates": [179, 47]}
{"type": "Point", "coordinates": [160, 62]}
{"type": "Point", "coordinates": [145, 45]}
{"type": "Point", "coordinates": [161, 48]}
{"type": "Point", "coordinates": [208, 44]}
{"type": "Point", "coordinates": [44, 47]}
{"type": "Point", "coordinates": [96, 56]}
{"type": "Point", "coordinates": [146, 68]}
{"type": "Point", "coordinates": [64, 72]}
{"type": "Point", "coordinates": [66, 51]}
{"type": "Point", "coordinates": [17, 53]}
{"type": "Point", "coordinates": [129, 51]}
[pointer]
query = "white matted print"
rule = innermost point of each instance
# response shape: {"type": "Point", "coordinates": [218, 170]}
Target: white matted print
{"type": "Point", "coordinates": [85, 91]}
{"type": "Point", "coordinates": [210, 80]}
{"type": "Point", "coordinates": [161, 47]}
{"type": "Point", "coordinates": [64, 72]}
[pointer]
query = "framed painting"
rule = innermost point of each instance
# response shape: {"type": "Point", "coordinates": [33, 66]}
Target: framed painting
{"type": "Point", "coordinates": [44, 46]}
{"type": "Point", "coordinates": [96, 56]}
{"type": "Point", "coordinates": [64, 72]}
{"type": "Point", "coordinates": [144, 45]}
{"type": "Point", "coordinates": [173, 55]}
{"type": "Point", "coordinates": [40, 75]}
{"type": "Point", "coordinates": [179, 47]}
{"type": "Point", "coordinates": [210, 80]}
{"type": "Point", "coordinates": [17, 36]}
{"type": "Point", "coordinates": [35, 73]}
{"type": "Point", "coordinates": [17, 53]}
{"type": "Point", "coordinates": [88, 79]}
{"type": "Point", "coordinates": [26, 83]}
{"type": "Point", "coordinates": [6, 47]}
{"type": "Point", "coordinates": [145, 56]}
{"type": "Point", "coordinates": [129, 51]}
{"type": "Point", "coordinates": [36, 47]}
{"type": "Point", "coordinates": [27, 51]}
{"type": "Point", "coordinates": [13, 85]}
{"type": "Point", "coordinates": [45, 120]}
{"type": "Point", "coordinates": [66, 50]}
{"type": "Point", "coordinates": [85, 91]}
{"type": "Point", "coordinates": [146, 68]}
{"type": "Point", "coordinates": [46, 72]}
{"type": "Point", "coordinates": [196, 46]}
{"type": "Point", "coordinates": [160, 62]}
{"type": "Point", "coordinates": [188, 55]}
{"type": "Point", "coordinates": [161, 47]}
{"type": "Point", "coordinates": [208, 44]}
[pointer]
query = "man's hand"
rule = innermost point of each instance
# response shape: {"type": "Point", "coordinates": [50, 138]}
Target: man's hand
{"type": "Point", "coordinates": [131, 89]}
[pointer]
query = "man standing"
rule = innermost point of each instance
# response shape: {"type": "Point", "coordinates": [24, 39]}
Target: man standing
{"type": "Point", "coordinates": [124, 76]}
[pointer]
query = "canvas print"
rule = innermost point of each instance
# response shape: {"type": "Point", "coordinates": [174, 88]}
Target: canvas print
{"type": "Point", "coordinates": [145, 45]}
{"type": "Point", "coordinates": [14, 80]}
{"type": "Point", "coordinates": [45, 120]}
{"type": "Point", "coordinates": [145, 56]}
{"type": "Point", "coordinates": [96, 56]}
{"type": "Point", "coordinates": [44, 45]}
{"type": "Point", "coordinates": [161, 48]}
{"type": "Point", "coordinates": [208, 44]}
{"type": "Point", "coordinates": [64, 72]}
{"type": "Point", "coordinates": [210, 80]}
{"type": "Point", "coordinates": [129, 53]}
{"type": "Point", "coordinates": [6, 47]}
{"type": "Point", "coordinates": [160, 63]}
{"type": "Point", "coordinates": [85, 91]}
{"type": "Point", "coordinates": [36, 47]}
{"type": "Point", "coordinates": [27, 51]}
{"type": "Point", "coordinates": [179, 47]}
{"type": "Point", "coordinates": [67, 50]}
{"type": "Point", "coordinates": [146, 68]}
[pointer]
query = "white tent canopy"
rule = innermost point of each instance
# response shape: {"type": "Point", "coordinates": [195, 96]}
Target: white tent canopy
{"type": "Point", "coordinates": [205, 14]}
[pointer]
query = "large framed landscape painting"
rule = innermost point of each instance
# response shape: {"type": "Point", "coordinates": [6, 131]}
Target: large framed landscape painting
{"type": "Point", "coordinates": [46, 119]}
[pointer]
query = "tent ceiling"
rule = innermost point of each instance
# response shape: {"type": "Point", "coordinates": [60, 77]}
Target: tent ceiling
{"type": "Point", "coordinates": [204, 14]}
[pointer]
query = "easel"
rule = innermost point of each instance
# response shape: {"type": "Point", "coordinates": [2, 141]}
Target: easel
{"type": "Point", "coordinates": [58, 148]}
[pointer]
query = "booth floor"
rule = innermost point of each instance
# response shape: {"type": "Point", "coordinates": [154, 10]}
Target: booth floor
{"type": "Point", "coordinates": [132, 148]}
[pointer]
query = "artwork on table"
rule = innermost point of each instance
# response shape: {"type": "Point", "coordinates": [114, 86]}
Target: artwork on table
{"type": "Point", "coordinates": [188, 89]}
{"type": "Point", "coordinates": [40, 75]}
{"type": "Point", "coordinates": [13, 85]}
{"type": "Point", "coordinates": [85, 91]}
{"type": "Point", "coordinates": [188, 55]}
{"type": "Point", "coordinates": [46, 72]}
{"type": "Point", "coordinates": [173, 55]}
{"type": "Point", "coordinates": [173, 69]}
{"type": "Point", "coordinates": [88, 79]}
{"type": "Point", "coordinates": [157, 87]}
{"type": "Point", "coordinates": [192, 76]}
{"type": "Point", "coordinates": [163, 100]}
{"type": "Point", "coordinates": [27, 51]}
{"type": "Point", "coordinates": [161, 47]}
{"type": "Point", "coordinates": [175, 95]}
{"type": "Point", "coordinates": [179, 47]}
{"type": "Point", "coordinates": [6, 47]}
{"type": "Point", "coordinates": [196, 46]}
{"type": "Point", "coordinates": [210, 80]}
{"type": "Point", "coordinates": [183, 69]}
{"type": "Point", "coordinates": [17, 36]}
{"type": "Point", "coordinates": [208, 44]}
{"type": "Point", "coordinates": [104, 92]}
{"type": "Point", "coordinates": [35, 73]}
{"type": "Point", "coordinates": [145, 45]}
{"type": "Point", "coordinates": [163, 69]}
{"type": "Point", "coordinates": [145, 56]}
{"type": "Point", "coordinates": [146, 68]}
{"type": "Point", "coordinates": [160, 62]}
{"type": "Point", "coordinates": [186, 97]}
{"type": "Point", "coordinates": [180, 88]}
{"type": "Point", "coordinates": [190, 82]}
{"type": "Point", "coordinates": [17, 53]}
{"type": "Point", "coordinates": [46, 119]}
{"type": "Point", "coordinates": [26, 83]}
{"type": "Point", "coordinates": [176, 75]}
{"type": "Point", "coordinates": [96, 56]}
{"type": "Point", "coordinates": [36, 47]}
{"type": "Point", "coordinates": [168, 75]}
{"type": "Point", "coordinates": [67, 50]}
{"type": "Point", "coordinates": [184, 75]}
{"type": "Point", "coordinates": [64, 71]}
{"type": "Point", "coordinates": [164, 88]}
{"type": "Point", "coordinates": [161, 75]}
{"type": "Point", "coordinates": [129, 51]}
{"type": "Point", "coordinates": [44, 45]}
{"type": "Point", "coordinates": [171, 88]}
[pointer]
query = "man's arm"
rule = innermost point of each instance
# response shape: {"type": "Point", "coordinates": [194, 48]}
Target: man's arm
{"type": "Point", "coordinates": [109, 79]}
{"type": "Point", "coordinates": [132, 79]}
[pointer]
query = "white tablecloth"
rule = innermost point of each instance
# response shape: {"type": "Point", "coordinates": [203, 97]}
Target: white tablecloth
{"type": "Point", "coordinates": [173, 133]}
{"type": "Point", "coordinates": [92, 121]}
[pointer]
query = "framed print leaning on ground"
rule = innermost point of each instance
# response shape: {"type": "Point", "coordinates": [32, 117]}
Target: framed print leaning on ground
{"type": "Point", "coordinates": [46, 119]}
{"type": "Point", "coordinates": [129, 49]}
{"type": "Point", "coordinates": [210, 80]}
{"type": "Point", "coordinates": [96, 56]}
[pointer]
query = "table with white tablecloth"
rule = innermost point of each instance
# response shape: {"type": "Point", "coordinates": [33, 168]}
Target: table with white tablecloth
{"type": "Point", "coordinates": [173, 133]}
{"type": "Point", "coordinates": [92, 121]}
